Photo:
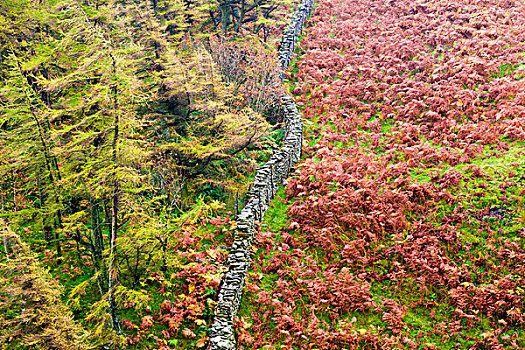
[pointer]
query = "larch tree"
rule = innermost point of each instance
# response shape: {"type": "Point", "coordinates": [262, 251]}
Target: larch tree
{"type": "Point", "coordinates": [115, 115]}
{"type": "Point", "coordinates": [31, 310]}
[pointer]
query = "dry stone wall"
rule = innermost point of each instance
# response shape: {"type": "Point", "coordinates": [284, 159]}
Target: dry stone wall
{"type": "Point", "coordinates": [267, 180]}
{"type": "Point", "coordinates": [291, 34]}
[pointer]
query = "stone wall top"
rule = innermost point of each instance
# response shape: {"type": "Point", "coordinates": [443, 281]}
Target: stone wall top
{"type": "Point", "coordinates": [266, 183]}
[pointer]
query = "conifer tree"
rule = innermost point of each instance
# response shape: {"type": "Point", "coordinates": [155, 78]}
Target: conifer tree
{"type": "Point", "coordinates": [114, 117]}
{"type": "Point", "coordinates": [31, 311]}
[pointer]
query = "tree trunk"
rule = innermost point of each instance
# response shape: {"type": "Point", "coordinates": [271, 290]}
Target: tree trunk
{"type": "Point", "coordinates": [4, 229]}
{"type": "Point", "coordinates": [113, 280]}
{"type": "Point", "coordinates": [226, 13]}
{"type": "Point", "coordinates": [58, 225]}
{"type": "Point", "coordinates": [98, 247]}
{"type": "Point", "coordinates": [15, 207]}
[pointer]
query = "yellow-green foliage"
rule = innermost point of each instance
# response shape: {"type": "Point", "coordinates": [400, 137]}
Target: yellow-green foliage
{"type": "Point", "coordinates": [31, 311]}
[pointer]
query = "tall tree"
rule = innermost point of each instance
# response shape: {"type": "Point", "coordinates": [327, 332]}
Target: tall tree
{"type": "Point", "coordinates": [115, 119]}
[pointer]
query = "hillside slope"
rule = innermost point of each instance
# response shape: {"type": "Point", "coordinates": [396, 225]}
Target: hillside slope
{"type": "Point", "coordinates": [405, 220]}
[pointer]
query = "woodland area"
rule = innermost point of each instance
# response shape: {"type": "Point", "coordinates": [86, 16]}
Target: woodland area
{"type": "Point", "coordinates": [131, 132]}
{"type": "Point", "coordinates": [129, 135]}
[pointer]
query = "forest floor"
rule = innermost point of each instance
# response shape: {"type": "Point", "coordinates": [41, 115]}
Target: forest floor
{"type": "Point", "coordinates": [404, 225]}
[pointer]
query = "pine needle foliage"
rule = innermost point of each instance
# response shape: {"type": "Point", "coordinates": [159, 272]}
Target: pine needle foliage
{"type": "Point", "coordinates": [31, 310]}
{"type": "Point", "coordinates": [119, 129]}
